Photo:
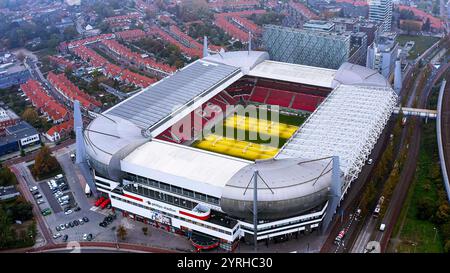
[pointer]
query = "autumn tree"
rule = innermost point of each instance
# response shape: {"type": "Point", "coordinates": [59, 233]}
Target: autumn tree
{"type": "Point", "coordinates": [21, 56]}
{"type": "Point", "coordinates": [44, 163]}
{"type": "Point", "coordinates": [7, 177]}
{"type": "Point", "coordinates": [31, 116]}
{"type": "Point", "coordinates": [122, 232]}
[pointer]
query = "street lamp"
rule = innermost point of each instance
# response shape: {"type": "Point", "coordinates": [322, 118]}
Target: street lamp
{"type": "Point", "coordinates": [115, 234]}
{"type": "Point", "coordinates": [435, 233]}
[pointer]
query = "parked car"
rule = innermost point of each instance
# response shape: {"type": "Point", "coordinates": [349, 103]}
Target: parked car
{"type": "Point", "coordinates": [33, 188]}
{"type": "Point", "coordinates": [40, 201]}
{"type": "Point", "coordinates": [38, 196]}
{"type": "Point", "coordinates": [68, 212]}
{"type": "Point", "coordinates": [36, 193]}
{"type": "Point", "coordinates": [77, 209]}
{"type": "Point", "coordinates": [85, 219]}
{"type": "Point", "coordinates": [58, 228]}
{"type": "Point", "coordinates": [105, 203]}
{"type": "Point", "coordinates": [99, 201]}
{"type": "Point", "coordinates": [62, 227]}
{"type": "Point", "coordinates": [46, 212]}
{"type": "Point", "coordinates": [57, 235]}
{"type": "Point", "coordinates": [87, 237]}
{"type": "Point", "coordinates": [65, 238]}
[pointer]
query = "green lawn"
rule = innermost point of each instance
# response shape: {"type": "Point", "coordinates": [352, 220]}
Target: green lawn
{"type": "Point", "coordinates": [418, 235]}
{"type": "Point", "coordinates": [422, 43]}
{"type": "Point", "coordinates": [416, 231]}
{"type": "Point", "coordinates": [260, 137]}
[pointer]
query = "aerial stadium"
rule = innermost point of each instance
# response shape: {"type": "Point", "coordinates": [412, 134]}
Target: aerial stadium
{"type": "Point", "coordinates": [180, 153]}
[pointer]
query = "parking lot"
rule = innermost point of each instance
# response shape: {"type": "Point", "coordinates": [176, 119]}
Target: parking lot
{"type": "Point", "coordinates": [95, 214]}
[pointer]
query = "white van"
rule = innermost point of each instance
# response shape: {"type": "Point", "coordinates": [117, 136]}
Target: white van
{"type": "Point", "coordinates": [64, 198]}
{"type": "Point", "coordinates": [382, 227]}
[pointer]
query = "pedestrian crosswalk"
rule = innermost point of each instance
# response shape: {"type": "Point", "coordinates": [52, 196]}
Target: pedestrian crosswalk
{"type": "Point", "coordinates": [105, 212]}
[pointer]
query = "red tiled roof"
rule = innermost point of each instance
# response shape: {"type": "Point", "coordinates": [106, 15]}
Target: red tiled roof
{"type": "Point", "coordinates": [60, 61]}
{"type": "Point", "coordinates": [131, 34]}
{"type": "Point", "coordinates": [302, 9]}
{"type": "Point", "coordinates": [192, 52]}
{"type": "Point", "coordinates": [231, 21]}
{"type": "Point", "coordinates": [42, 101]}
{"type": "Point", "coordinates": [90, 56]}
{"type": "Point", "coordinates": [359, 3]}
{"type": "Point", "coordinates": [436, 23]}
{"type": "Point", "coordinates": [125, 52]}
{"type": "Point", "coordinates": [59, 128]}
{"type": "Point", "coordinates": [70, 91]}
{"type": "Point", "coordinates": [233, 3]}
{"type": "Point", "coordinates": [90, 40]}
{"type": "Point", "coordinates": [127, 17]}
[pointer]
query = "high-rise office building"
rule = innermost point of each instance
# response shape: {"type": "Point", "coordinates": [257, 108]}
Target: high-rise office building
{"type": "Point", "coordinates": [381, 11]}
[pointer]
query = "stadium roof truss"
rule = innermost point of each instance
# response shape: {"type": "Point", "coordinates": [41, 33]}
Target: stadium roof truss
{"type": "Point", "coordinates": [347, 124]}
{"type": "Point", "coordinates": [166, 98]}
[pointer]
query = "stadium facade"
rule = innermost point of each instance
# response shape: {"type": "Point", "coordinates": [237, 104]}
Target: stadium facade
{"type": "Point", "coordinates": [318, 44]}
{"type": "Point", "coordinates": [153, 174]}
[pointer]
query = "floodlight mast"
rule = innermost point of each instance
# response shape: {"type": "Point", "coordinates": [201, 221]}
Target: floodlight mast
{"type": "Point", "coordinates": [255, 210]}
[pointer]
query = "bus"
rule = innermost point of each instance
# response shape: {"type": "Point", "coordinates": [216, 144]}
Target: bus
{"type": "Point", "coordinates": [377, 210]}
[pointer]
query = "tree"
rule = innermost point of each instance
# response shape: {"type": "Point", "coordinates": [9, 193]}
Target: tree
{"type": "Point", "coordinates": [145, 230]}
{"type": "Point", "coordinates": [122, 232]}
{"type": "Point", "coordinates": [44, 163]}
{"type": "Point", "coordinates": [21, 56]}
{"type": "Point", "coordinates": [442, 213]}
{"type": "Point", "coordinates": [6, 231]}
{"type": "Point", "coordinates": [68, 71]}
{"type": "Point", "coordinates": [425, 208]}
{"type": "Point", "coordinates": [447, 246]}
{"type": "Point", "coordinates": [22, 210]}
{"type": "Point", "coordinates": [427, 25]}
{"type": "Point", "coordinates": [70, 33]}
{"type": "Point", "coordinates": [31, 116]}
{"type": "Point", "coordinates": [7, 177]}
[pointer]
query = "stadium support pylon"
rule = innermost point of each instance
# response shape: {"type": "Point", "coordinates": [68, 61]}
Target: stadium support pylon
{"type": "Point", "coordinates": [335, 194]}
{"type": "Point", "coordinates": [81, 160]}
{"type": "Point", "coordinates": [78, 126]}
{"type": "Point", "coordinates": [205, 47]}
{"type": "Point", "coordinates": [397, 77]}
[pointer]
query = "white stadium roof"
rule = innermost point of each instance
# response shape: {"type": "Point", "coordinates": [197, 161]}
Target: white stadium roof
{"type": "Point", "coordinates": [294, 73]}
{"type": "Point", "coordinates": [186, 162]}
{"type": "Point", "coordinates": [347, 124]}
